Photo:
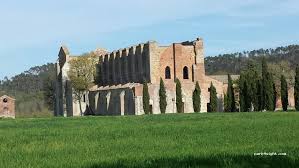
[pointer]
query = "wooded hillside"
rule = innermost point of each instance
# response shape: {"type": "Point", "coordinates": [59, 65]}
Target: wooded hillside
{"type": "Point", "coordinates": [32, 89]}
{"type": "Point", "coordinates": [233, 63]}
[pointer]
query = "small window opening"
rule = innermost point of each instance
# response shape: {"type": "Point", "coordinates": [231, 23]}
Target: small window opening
{"type": "Point", "coordinates": [167, 73]}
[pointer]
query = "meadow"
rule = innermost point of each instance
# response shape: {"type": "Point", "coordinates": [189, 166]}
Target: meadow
{"type": "Point", "coordinates": [180, 140]}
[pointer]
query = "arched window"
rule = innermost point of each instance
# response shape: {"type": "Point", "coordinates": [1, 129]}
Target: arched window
{"type": "Point", "coordinates": [167, 73]}
{"type": "Point", "coordinates": [185, 73]}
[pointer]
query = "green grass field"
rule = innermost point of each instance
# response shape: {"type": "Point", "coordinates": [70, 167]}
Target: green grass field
{"type": "Point", "coordinates": [187, 140]}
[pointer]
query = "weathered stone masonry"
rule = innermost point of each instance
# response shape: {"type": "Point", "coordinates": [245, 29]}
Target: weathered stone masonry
{"type": "Point", "coordinates": [122, 72]}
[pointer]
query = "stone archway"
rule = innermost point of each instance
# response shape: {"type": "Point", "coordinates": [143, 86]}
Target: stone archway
{"type": "Point", "coordinates": [5, 111]}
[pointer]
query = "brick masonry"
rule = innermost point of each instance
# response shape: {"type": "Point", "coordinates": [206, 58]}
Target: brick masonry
{"type": "Point", "coordinates": [123, 71]}
{"type": "Point", "coordinates": [7, 107]}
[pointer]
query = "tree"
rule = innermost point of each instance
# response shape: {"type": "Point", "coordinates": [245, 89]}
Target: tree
{"type": "Point", "coordinates": [163, 97]}
{"type": "Point", "coordinates": [225, 103]}
{"type": "Point", "coordinates": [259, 95]}
{"type": "Point", "coordinates": [49, 92]}
{"type": "Point", "coordinates": [284, 93]}
{"type": "Point", "coordinates": [245, 102]}
{"type": "Point", "coordinates": [196, 98]}
{"type": "Point", "coordinates": [231, 103]}
{"type": "Point", "coordinates": [146, 99]}
{"type": "Point", "coordinates": [268, 88]}
{"type": "Point", "coordinates": [213, 98]}
{"type": "Point", "coordinates": [82, 75]}
{"type": "Point", "coordinates": [296, 89]}
{"type": "Point", "coordinates": [248, 88]}
{"type": "Point", "coordinates": [179, 97]}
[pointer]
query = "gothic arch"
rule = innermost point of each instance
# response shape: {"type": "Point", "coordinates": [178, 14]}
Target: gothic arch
{"type": "Point", "coordinates": [185, 73]}
{"type": "Point", "coordinates": [167, 73]}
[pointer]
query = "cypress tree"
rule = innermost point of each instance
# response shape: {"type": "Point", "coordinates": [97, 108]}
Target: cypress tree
{"type": "Point", "coordinates": [179, 97]}
{"type": "Point", "coordinates": [248, 91]}
{"type": "Point", "coordinates": [231, 103]}
{"type": "Point", "coordinates": [246, 104]}
{"type": "Point", "coordinates": [196, 98]}
{"type": "Point", "coordinates": [268, 88]}
{"type": "Point", "coordinates": [245, 101]}
{"type": "Point", "coordinates": [146, 99]}
{"type": "Point", "coordinates": [259, 95]}
{"type": "Point", "coordinates": [163, 97]}
{"type": "Point", "coordinates": [213, 98]}
{"type": "Point", "coordinates": [225, 103]}
{"type": "Point", "coordinates": [284, 93]}
{"type": "Point", "coordinates": [296, 89]}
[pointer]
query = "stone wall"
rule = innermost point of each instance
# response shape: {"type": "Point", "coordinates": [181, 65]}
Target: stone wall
{"type": "Point", "coordinates": [112, 102]}
{"type": "Point", "coordinates": [7, 107]}
{"type": "Point", "coordinates": [129, 65]}
{"type": "Point", "coordinates": [122, 72]}
{"type": "Point", "coordinates": [65, 104]}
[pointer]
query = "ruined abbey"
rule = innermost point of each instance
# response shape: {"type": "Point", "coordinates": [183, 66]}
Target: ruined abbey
{"type": "Point", "coordinates": [122, 72]}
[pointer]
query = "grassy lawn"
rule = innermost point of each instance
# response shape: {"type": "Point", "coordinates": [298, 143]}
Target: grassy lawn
{"type": "Point", "coordinates": [193, 140]}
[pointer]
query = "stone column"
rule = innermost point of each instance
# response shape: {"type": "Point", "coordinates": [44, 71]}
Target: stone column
{"type": "Point", "coordinates": [122, 103]}
{"type": "Point", "coordinates": [145, 63]}
{"type": "Point", "coordinates": [139, 63]}
{"type": "Point", "coordinates": [102, 74]}
{"type": "Point", "coordinates": [108, 81]}
{"type": "Point", "coordinates": [104, 71]}
{"type": "Point", "coordinates": [118, 68]}
{"type": "Point", "coordinates": [154, 62]}
{"type": "Point", "coordinates": [112, 68]}
{"type": "Point", "coordinates": [199, 67]}
{"type": "Point", "coordinates": [132, 63]}
{"type": "Point", "coordinates": [129, 63]}
{"type": "Point", "coordinates": [125, 53]}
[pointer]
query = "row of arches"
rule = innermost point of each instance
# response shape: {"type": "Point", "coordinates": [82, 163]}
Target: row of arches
{"type": "Point", "coordinates": [185, 73]}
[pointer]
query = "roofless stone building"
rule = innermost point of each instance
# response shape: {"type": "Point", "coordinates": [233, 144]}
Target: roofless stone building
{"type": "Point", "coordinates": [122, 72]}
{"type": "Point", "coordinates": [7, 107]}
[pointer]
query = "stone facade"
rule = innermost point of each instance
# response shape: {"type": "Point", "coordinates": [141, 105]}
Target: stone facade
{"type": "Point", "coordinates": [7, 107]}
{"type": "Point", "coordinates": [65, 105]}
{"type": "Point", "coordinates": [122, 72]}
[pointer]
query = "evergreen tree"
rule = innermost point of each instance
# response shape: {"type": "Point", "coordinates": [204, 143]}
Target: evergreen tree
{"type": "Point", "coordinates": [248, 91]}
{"type": "Point", "coordinates": [268, 88]}
{"type": "Point", "coordinates": [225, 103]}
{"type": "Point", "coordinates": [179, 97]}
{"type": "Point", "coordinates": [284, 93]}
{"type": "Point", "coordinates": [146, 99]}
{"type": "Point", "coordinates": [213, 98]}
{"type": "Point", "coordinates": [231, 103]}
{"type": "Point", "coordinates": [296, 89]}
{"type": "Point", "coordinates": [245, 102]}
{"type": "Point", "coordinates": [196, 98]}
{"type": "Point", "coordinates": [243, 93]}
{"type": "Point", "coordinates": [163, 97]}
{"type": "Point", "coordinates": [259, 95]}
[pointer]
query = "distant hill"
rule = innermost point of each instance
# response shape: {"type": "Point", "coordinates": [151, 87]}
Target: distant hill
{"type": "Point", "coordinates": [235, 62]}
{"type": "Point", "coordinates": [33, 90]}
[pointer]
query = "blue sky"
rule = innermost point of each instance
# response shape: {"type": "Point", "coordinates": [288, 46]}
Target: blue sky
{"type": "Point", "coordinates": [31, 31]}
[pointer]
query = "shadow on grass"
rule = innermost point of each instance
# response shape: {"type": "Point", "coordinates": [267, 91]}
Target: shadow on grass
{"type": "Point", "coordinates": [215, 161]}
